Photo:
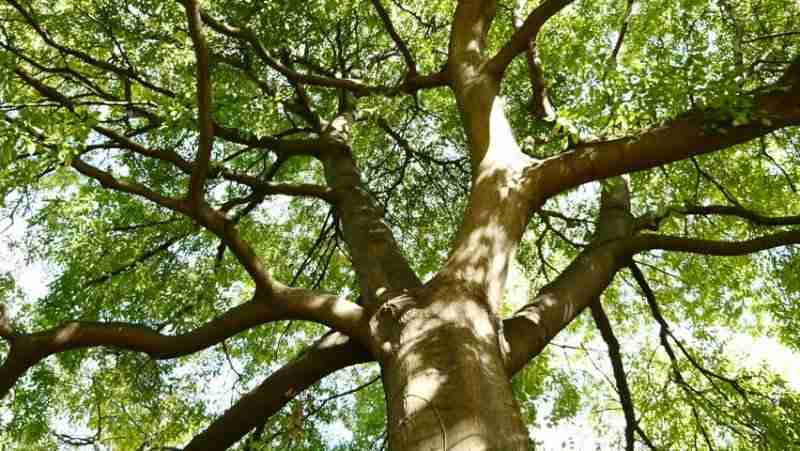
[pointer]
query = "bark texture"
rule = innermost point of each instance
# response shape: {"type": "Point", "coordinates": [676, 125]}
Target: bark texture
{"type": "Point", "coordinates": [446, 354]}
{"type": "Point", "coordinates": [444, 373]}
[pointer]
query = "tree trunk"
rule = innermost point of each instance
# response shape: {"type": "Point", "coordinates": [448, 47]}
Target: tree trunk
{"type": "Point", "coordinates": [444, 373]}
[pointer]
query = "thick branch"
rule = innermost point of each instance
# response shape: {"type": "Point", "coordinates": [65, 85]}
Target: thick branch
{"type": "Point", "coordinates": [740, 212]}
{"type": "Point", "coordinates": [288, 303]}
{"type": "Point", "coordinates": [583, 281]}
{"type": "Point", "coordinates": [694, 133]}
{"type": "Point", "coordinates": [28, 349]}
{"type": "Point", "coordinates": [377, 258]}
{"type": "Point", "coordinates": [6, 329]}
{"type": "Point", "coordinates": [524, 35]}
{"type": "Point", "coordinates": [646, 242]}
{"type": "Point", "coordinates": [331, 353]}
{"type": "Point", "coordinates": [539, 106]}
{"type": "Point", "coordinates": [471, 24]}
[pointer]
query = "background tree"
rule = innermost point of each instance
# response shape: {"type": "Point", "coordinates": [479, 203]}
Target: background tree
{"type": "Point", "coordinates": [295, 188]}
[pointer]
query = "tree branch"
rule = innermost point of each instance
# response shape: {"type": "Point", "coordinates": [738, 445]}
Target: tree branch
{"type": "Point", "coordinates": [410, 84]}
{"type": "Point", "coordinates": [285, 303]}
{"type": "Point", "coordinates": [524, 35]}
{"type": "Point", "coordinates": [539, 104]}
{"type": "Point", "coordinates": [471, 24]}
{"type": "Point", "coordinates": [139, 259]}
{"type": "Point", "coordinates": [622, 32]}
{"type": "Point", "coordinates": [580, 284]}
{"type": "Point", "coordinates": [29, 349]}
{"type": "Point", "coordinates": [621, 379]}
{"type": "Point", "coordinates": [401, 45]}
{"type": "Point", "coordinates": [331, 353]}
{"type": "Point", "coordinates": [377, 258]}
{"type": "Point", "coordinates": [107, 180]}
{"type": "Point", "coordinates": [693, 133]}
{"type": "Point", "coordinates": [213, 220]}
{"type": "Point", "coordinates": [260, 187]}
{"type": "Point", "coordinates": [204, 93]}
{"type": "Point", "coordinates": [286, 147]}
{"type": "Point", "coordinates": [665, 333]}
{"type": "Point", "coordinates": [739, 212]}
{"type": "Point", "coordinates": [85, 57]}
{"type": "Point", "coordinates": [646, 242]}
{"type": "Point", "coordinates": [6, 329]}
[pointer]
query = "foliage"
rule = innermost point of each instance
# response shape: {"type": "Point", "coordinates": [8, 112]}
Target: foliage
{"type": "Point", "coordinates": [114, 257]}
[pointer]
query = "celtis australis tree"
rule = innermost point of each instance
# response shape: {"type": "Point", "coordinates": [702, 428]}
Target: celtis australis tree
{"type": "Point", "coordinates": [266, 193]}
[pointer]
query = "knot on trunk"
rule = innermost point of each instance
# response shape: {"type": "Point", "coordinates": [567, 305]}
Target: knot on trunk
{"type": "Point", "coordinates": [389, 319]}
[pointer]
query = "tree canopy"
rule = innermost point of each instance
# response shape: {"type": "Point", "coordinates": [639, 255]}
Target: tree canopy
{"type": "Point", "coordinates": [235, 200]}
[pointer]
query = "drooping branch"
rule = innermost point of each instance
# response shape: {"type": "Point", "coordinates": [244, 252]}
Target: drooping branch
{"type": "Point", "coordinates": [204, 94]}
{"type": "Point", "coordinates": [696, 132]}
{"type": "Point", "coordinates": [526, 34]}
{"type": "Point", "coordinates": [620, 378]}
{"type": "Point", "coordinates": [693, 394]}
{"type": "Point", "coordinates": [28, 349]}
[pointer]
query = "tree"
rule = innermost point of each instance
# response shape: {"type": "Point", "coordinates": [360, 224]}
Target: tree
{"type": "Point", "coordinates": [152, 147]}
